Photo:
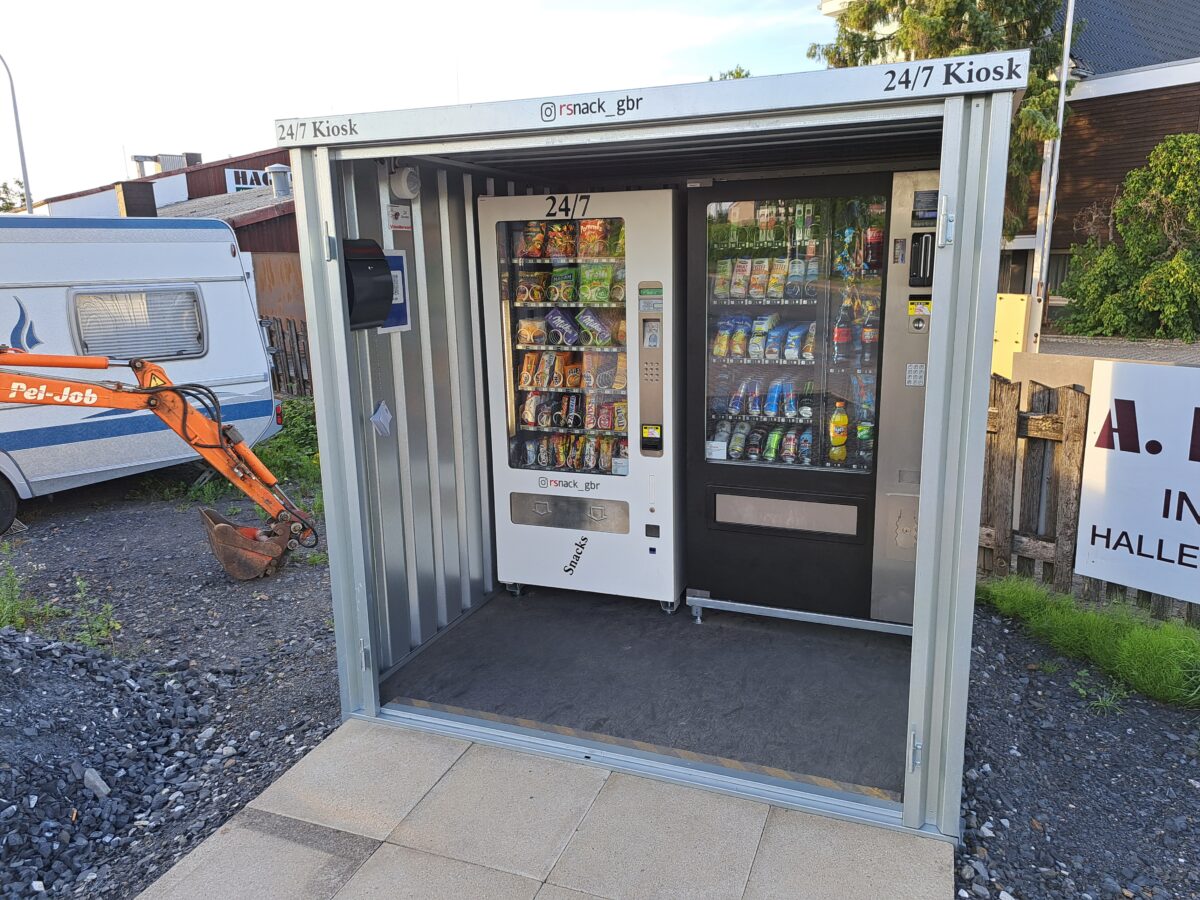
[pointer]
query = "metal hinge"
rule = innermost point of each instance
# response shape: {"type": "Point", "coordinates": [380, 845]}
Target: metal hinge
{"type": "Point", "coordinates": [366, 653]}
{"type": "Point", "coordinates": [945, 222]}
{"type": "Point", "coordinates": [914, 751]}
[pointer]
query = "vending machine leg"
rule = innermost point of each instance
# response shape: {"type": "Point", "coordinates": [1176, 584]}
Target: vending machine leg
{"type": "Point", "coordinates": [515, 588]}
{"type": "Point", "coordinates": [669, 606]}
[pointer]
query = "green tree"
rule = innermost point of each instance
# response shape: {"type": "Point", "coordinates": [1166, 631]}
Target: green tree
{"type": "Point", "coordinates": [12, 197]}
{"type": "Point", "coordinates": [1146, 283]}
{"type": "Point", "coordinates": [731, 74]}
{"type": "Point", "coordinates": [873, 31]}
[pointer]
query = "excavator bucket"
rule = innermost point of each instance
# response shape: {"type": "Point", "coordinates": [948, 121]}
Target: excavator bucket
{"type": "Point", "coordinates": [245, 552]}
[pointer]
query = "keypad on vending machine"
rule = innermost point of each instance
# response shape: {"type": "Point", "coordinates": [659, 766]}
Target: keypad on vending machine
{"type": "Point", "coordinates": [651, 371]}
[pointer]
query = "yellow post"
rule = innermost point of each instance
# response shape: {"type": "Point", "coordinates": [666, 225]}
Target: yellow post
{"type": "Point", "coordinates": [1009, 337]}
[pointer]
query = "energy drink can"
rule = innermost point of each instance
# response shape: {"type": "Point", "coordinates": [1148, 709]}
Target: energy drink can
{"type": "Point", "coordinates": [737, 400]}
{"type": "Point", "coordinates": [737, 443]}
{"type": "Point", "coordinates": [804, 448]}
{"type": "Point", "coordinates": [754, 398]}
{"type": "Point", "coordinates": [774, 402]}
{"type": "Point", "coordinates": [791, 400]}
{"type": "Point", "coordinates": [789, 446]}
{"type": "Point", "coordinates": [754, 444]}
{"type": "Point", "coordinates": [773, 444]}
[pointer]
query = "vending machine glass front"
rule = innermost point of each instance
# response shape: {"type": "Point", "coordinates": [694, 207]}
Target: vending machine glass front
{"type": "Point", "coordinates": [563, 291]}
{"type": "Point", "coordinates": [793, 312]}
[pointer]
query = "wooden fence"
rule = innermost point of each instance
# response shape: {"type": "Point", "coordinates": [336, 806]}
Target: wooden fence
{"type": "Point", "coordinates": [1032, 475]}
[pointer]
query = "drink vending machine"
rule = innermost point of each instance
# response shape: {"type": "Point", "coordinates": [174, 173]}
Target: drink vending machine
{"type": "Point", "coordinates": [579, 307]}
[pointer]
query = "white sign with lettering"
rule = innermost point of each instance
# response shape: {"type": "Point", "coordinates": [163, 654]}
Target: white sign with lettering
{"type": "Point", "coordinates": [1139, 512]}
{"type": "Point", "coordinates": [245, 180]}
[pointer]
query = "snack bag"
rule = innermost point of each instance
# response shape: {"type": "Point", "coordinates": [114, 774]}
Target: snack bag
{"type": "Point", "coordinates": [758, 335]}
{"type": "Point", "coordinates": [775, 339]}
{"type": "Point", "coordinates": [619, 333]}
{"type": "Point", "coordinates": [591, 453]}
{"type": "Point", "coordinates": [532, 287]}
{"type": "Point", "coordinates": [622, 448]}
{"type": "Point", "coordinates": [561, 446]}
{"type": "Point", "coordinates": [562, 285]}
{"type": "Point", "coordinates": [793, 288]}
{"type": "Point", "coordinates": [593, 374]}
{"type": "Point", "coordinates": [595, 282]}
{"type": "Point", "coordinates": [529, 366]}
{"type": "Point", "coordinates": [777, 279]}
{"type": "Point", "coordinates": [531, 452]}
{"type": "Point", "coordinates": [575, 451]}
{"type": "Point", "coordinates": [722, 280]}
{"type": "Point", "coordinates": [545, 455]}
{"type": "Point", "coordinates": [573, 375]}
{"type": "Point", "coordinates": [557, 374]}
{"type": "Point", "coordinates": [616, 293]}
{"type": "Point", "coordinates": [720, 344]}
{"type": "Point", "coordinates": [593, 237]}
{"type": "Point", "coordinates": [529, 408]}
{"type": "Point", "coordinates": [545, 413]}
{"type": "Point", "coordinates": [760, 270]}
{"type": "Point", "coordinates": [595, 329]}
{"type": "Point", "coordinates": [621, 415]}
{"type": "Point", "coordinates": [531, 331]}
{"type": "Point", "coordinates": [561, 329]}
{"type": "Point", "coordinates": [545, 369]}
{"type": "Point", "coordinates": [739, 339]}
{"type": "Point", "coordinates": [560, 239]}
{"type": "Point", "coordinates": [618, 243]}
{"type": "Point", "coordinates": [591, 408]}
{"type": "Point", "coordinates": [604, 417]}
{"type": "Point", "coordinates": [739, 285]}
{"type": "Point", "coordinates": [606, 454]}
{"type": "Point", "coordinates": [793, 344]}
{"type": "Point", "coordinates": [534, 240]}
{"type": "Point", "coordinates": [620, 377]}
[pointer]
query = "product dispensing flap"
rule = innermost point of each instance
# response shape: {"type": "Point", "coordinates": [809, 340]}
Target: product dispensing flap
{"type": "Point", "coordinates": [368, 283]}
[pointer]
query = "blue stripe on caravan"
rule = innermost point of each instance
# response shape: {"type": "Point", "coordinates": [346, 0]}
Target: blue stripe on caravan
{"type": "Point", "coordinates": [94, 429]}
{"type": "Point", "coordinates": [181, 224]}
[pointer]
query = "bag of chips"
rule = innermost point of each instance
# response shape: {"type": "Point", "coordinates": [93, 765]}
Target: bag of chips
{"type": "Point", "coordinates": [533, 241]}
{"type": "Point", "coordinates": [758, 335]}
{"type": "Point", "coordinates": [739, 339]}
{"type": "Point", "coordinates": [595, 282]}
{"type": "Point", "coordinates": [532, 287]}
{"type": "Point", "coordinates": [560, 239]}
{"type": "Point", "coordinates": [720, 344]}
{"type": "Point", "coordinates": [562, 285]}
{"type": "Point", "coordinates": [775, 339]}
{"type": "Point", "coordinates": [593, 237]}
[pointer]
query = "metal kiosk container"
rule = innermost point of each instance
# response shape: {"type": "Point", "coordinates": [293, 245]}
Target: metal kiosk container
{"type": "Point", "coordinates": [587, 277]}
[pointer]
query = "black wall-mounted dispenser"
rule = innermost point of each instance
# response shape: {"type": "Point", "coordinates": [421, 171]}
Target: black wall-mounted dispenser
{"type": "Point", "coordinates": [368, 283]}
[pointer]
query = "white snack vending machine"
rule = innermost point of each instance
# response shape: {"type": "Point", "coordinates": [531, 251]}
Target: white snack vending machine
{"type": "Point", "coordinates": [579, 313]}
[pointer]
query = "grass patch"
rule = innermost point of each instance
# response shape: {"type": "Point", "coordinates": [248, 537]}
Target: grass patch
{"type": "Point", "coordinates": [1159, 659]}
{"type": "Point", "coordinates": [17, 610]}
{"type": "Point", "coordinates": [97, 625]}
{"type": "Point", "coordinates": [317, 558]}
{"type": "Point", "coordinates": [292, 455]}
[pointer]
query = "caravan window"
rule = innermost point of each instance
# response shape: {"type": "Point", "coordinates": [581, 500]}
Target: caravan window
{"type": "Point", "coordinates": [151, 323]}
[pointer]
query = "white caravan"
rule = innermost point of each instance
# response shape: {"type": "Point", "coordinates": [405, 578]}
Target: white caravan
{"type": "Point", "coordinates": [170, 290]}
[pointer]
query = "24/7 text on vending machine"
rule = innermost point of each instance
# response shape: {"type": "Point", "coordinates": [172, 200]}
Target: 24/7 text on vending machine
{"type": "Point", "coordinates": [318, 128]}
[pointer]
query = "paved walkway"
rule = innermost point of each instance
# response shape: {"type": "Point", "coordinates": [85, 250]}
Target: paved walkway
{"type": "Point", "coordinates": [379, 811]}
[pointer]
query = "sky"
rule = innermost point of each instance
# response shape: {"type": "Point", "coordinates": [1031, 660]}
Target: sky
{"type": "Point", "coordinates": [100, 81]}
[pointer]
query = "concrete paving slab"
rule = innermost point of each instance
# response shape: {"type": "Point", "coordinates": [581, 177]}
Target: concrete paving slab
{"type": "Point", "coordinates": [400, 873]}
{"type": "Point", "coordinates": [364, 778]}
{"type": "Point", "coordinates": [261, 855]}
{"type": "Point", "coordinates": [554, 892]}
{"type": "Point", "coordinates": [502, 809]}
{"type": "Point", "coordinates": [805, 857]}
{"type": "Point", "coordinates": [646, 839]}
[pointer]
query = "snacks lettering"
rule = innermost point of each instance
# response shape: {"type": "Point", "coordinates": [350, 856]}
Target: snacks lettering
{"type": "Point", "coordinates": [739, 340]}
{"type": "Point", "coordinates": [561, 329]}
{"type": "Point", "coordinates": [778, 278]}
{"type": "Point", "coordinates": [723, 278]}
{"type": "Point", "coordinates": [534, 242]}
{"type": "Point", "coordinates": [560, 239]}
{"type": "Point", "coordinates": [532, 287]}
{"type": "Point", "coordinates": [562, 285]}
{"type": "Point", "coordinates": [775, 339]}
{"type": "Point", "coordinates": [595, 329]}
{"type": "Point", "coordinates": [760, 271]}
{"type": "Point", "coordinates": [793, 288]}
{"type": "Point", "coordinates": [739, 285]}
{"type": "Point", "coordinates": [593, 237]}
{"type": "Point", "coordinates": [595, 282]}
{"type": "Point", "coordinates": [793, 345]}
{"type": "Point", "coordinates": [529, 365]}
{"type": "Point", "coordinates": [720, 345]}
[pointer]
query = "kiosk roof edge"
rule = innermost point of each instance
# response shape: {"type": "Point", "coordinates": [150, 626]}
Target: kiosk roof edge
{"type": "Point", "coordinates": [890, 83]}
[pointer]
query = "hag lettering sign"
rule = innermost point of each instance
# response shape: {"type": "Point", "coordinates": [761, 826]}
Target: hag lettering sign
{"type": "Point", "coordinates": [1139, 511]}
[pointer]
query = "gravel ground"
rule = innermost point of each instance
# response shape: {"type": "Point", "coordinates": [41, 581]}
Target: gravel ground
{"type": "Point", "coordinates": [115, 763]}
{"type": "Point", "coordinates": [1065, 796]}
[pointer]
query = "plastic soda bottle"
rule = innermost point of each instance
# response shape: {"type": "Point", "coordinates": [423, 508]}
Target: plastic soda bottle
{"type": "Point", "coordinates": [839, 431]}
{"type": "Point", "coordinates": [843, 333]}
{"type": "Point", "coordinates": [870, 333]}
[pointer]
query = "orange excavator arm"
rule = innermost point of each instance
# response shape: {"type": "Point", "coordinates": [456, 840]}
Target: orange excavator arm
{"type": "Point", "coordinates": [243, 552]}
